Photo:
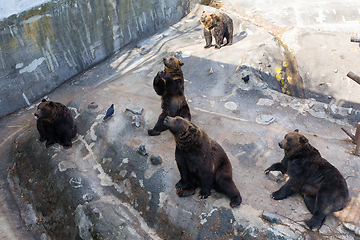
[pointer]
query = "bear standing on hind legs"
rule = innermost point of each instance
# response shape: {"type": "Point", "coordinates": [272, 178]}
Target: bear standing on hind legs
{"type": "Point", "coordinates": [322, 186]}
{"type": "Point", "coordinates": [55, 124]}
{"type": "Point", "coordinates": [219, 26]}
{"type": "Point", "coordinates": [169, 84]}
{"type": "Point", "coordinates": [201, 162]}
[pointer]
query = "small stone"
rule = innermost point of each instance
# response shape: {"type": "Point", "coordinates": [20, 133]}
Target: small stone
{"type": "Point", "coordinates": [273, 218]}
{"type": "Point", "coordinates": [262, 85]}
{"type": "Point", "coordinates": [178, 54]}
{"type": "Point", "coordinates": [76, 182]}
{"type": "Point", "coordinates": [335, 70]}
{"type": "Point", "coordinates": [142, 150]}
{"type": "Point", "coordinates": [155, 159]}
{"type": "Point", "coordinates": [211, 71]}
{"type": "Point", "coordinates": [136, 121]}
{"type": "Point", "coordinates": [326, 107]}
{"type": "Point", "coordinates": [276, 176]}
{"type": "Point", "coordinates": [265, 119]}
{"type": "Point", "coordinates": [311, 104]}
{"type": "Point", "coordinates": [350, 111]}
{"type": "Point", "coordinates": [329, 97]}
{"type": "Point", "coordinates": [93, 105]}
{"type": "Point", "coordinates": [231, 106]}
{"type": "Point", "coordinates": [334, 109]}
{"type": "Point", "coordinates": [88, 197]}
{"type": "Point", "coordinates": [135, 110]}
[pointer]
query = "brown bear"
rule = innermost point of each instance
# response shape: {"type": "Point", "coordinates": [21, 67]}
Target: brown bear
{"type": "Point", "coordinates": [219, 26]}
{"type": "Point", "coordinates": [169, 84]}
{"type": "Point", "coordinates": [322, 186]}
{"type": "Point", "coordinates": [55, 124]}
{"type": "Point", "coordinates": [201, 162]}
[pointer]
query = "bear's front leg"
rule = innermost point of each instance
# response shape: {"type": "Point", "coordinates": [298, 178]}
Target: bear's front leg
{"type": "Point", "coordinates": [276, 167]}
{"type": "Point", "coordinates": [159, 84]}
{"type": "Point", "coordinates": [187, 184]}
{"type": "Point", "coordinates": [206, 180]}
{"type": "Point", "coordinates": [290, 187]}
{"type": "Point", "coordinates": [208, 38]}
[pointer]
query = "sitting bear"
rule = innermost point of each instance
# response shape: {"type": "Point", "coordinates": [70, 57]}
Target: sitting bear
{"type": "Point", "coordinates": [201, 162]}
{"type": "Point", "coordinates": [169, 84]}
{"type": "Point", "coordinates": [322, 186]}
{"type": "Point", "coordinates": [219, 26]}
{"type": "Point", "coordinates": [55, 123]}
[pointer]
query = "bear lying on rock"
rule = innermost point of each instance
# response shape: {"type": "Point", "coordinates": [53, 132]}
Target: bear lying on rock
{"type": "Point", "coordinates": [169, 84]}
{"type": "Point", "coordinates": [201, 162]}
{"type": "Point", "coordinates": [55, 124]}
{"type": "Point", "coordinates": [322, 186]}
{"type": "Point", "coordinates": [219, 26]}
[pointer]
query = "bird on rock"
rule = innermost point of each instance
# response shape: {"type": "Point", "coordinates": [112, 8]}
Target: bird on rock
{"type": "Point", "coordinates": [109, 112]}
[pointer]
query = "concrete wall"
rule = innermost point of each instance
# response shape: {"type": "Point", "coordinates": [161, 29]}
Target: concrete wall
{"type": "Point", "coordinates": [43, 47]}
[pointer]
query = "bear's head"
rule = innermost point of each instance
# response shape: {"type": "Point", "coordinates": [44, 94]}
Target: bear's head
{"type": "Point", "coordinates": [172, 64]}
{"type": "Point", "coordinates": [208, 20]}
{"type": "Point", "coordinates": [293, 141]}
{"type": "Point", "coordinates": [44, 110]}
{"type": "Point", "coordinates": [178, 125]}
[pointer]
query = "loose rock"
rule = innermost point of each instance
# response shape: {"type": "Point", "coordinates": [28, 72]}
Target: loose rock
{"type": "Point", "coordinates": [135, 110]}
{"type": "Point", "coordinates": [93, 105]}
{"type": "Point", "coordinates": [142, 150]}
{"type": "Point", "coordinates": [76, 182]}
{"type": "Point", "coordinates": [155, 159]}
{"type": "Point", "coordinates": [136, 121]}
{"type": "Point", "coordinates": [273, 218]}
{"type": "Point", "coordinates": [265, 119]}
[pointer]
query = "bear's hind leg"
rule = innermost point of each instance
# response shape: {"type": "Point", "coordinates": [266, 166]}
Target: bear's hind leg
{"type": "Point", "coordinates": [225, 184]}
{"type": "Point", "coordinates": [309, 202]}
{"type": "Point", "coordinates": [208, 38]}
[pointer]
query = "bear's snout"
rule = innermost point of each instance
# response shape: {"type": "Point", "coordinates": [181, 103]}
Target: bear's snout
{"type": "Point", "coordinates": [280, 145]}
{"type": "Point", "coordinates": [166, 119]}
{"type": "Point", "coordinates": [36, 115]}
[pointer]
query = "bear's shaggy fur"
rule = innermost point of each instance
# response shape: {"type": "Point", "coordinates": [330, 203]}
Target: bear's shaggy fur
{"type": "Point", "coordinates": [55, 124]}
{"type": "Point", "coordinates": [322, 186]}
{"type": "Point", "coordinates": [201, 162]}
{"type": "Point", "coordinates": [169, 84]}
{"type": "Point", "coordinates": [219, 26]}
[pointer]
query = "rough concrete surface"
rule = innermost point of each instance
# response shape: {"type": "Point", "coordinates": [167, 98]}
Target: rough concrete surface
{"type": "Point", "coordinates": [103, 188]}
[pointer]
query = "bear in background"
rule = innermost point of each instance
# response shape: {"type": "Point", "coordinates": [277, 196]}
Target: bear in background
{"type": "Point", "coordinates": [169, 84]}
{"type": "Point", "coordinates": [219, 26]}
{"type": "Point", "coordinates": [201, 162]}
{"type": "Point", "coordinates": [322, 186]}
{"type": "Point", "coordinates": [55, 124]}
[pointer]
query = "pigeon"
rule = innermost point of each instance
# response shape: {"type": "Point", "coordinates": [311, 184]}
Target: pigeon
{"type": "Point", "coordinates": [109, 112]}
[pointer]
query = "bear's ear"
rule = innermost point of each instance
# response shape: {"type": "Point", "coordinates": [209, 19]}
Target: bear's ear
{"type": "Point", "coordinates": [51, 104]}
{"type": "Point", "coordinates": [303, 140]}
{"type": "Point", "coordinates": [296, 130]}
{"type": "Point", "coordinates": [44, 100]}
{"type": "Point", "coordinates": [182, 64]}
{"type": "Point", "coordinates": [192, 129]}
{"type": "Point", "coordinates": [213, 15]}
